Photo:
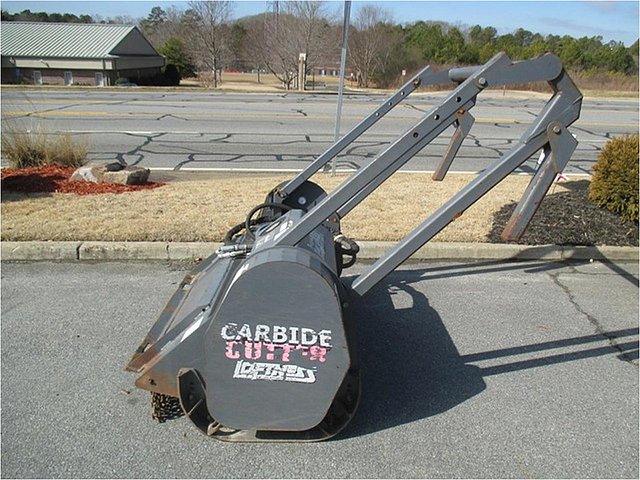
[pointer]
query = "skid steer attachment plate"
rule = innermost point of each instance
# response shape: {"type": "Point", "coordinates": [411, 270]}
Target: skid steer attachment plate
{"type": "Point", "coordinates": [257, 344]}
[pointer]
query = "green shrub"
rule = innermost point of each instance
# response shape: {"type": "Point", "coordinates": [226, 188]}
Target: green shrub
{"type": "Point", "coordinates": [614, 185]}
{"type": "Point", "coordinates": [172, 75]}
{"type": "Point", "coordinates": [35, 148]}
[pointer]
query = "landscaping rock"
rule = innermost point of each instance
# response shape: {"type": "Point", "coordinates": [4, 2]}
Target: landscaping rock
{"type": "Point", "coordinates": [85, 174]}
{"type": "Point", "coordinates": [113, 166]}
{"type": "Point", "coordinates": [128, 176]}
{"type": "Point", "coordinates": [113, 172]}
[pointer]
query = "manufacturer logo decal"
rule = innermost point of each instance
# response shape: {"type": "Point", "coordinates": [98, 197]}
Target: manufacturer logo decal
{"type": "Point", "coordinates": [274, 372]}
{"type": "Point", "coordinates": [279, 344]}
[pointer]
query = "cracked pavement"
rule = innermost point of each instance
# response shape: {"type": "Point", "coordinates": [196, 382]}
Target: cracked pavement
{"type": "Point", "coordinates": [485, 369]}
{"type": "Point", "coordinates": [176, 130]}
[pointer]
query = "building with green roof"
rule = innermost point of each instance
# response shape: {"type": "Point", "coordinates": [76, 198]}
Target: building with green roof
{"type": "Point", "coordinates": [75, 53]}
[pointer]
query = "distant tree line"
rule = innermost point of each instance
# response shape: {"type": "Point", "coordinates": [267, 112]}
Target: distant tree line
{"type": "Point", "coordinates": [429, 42]}
{"type": "Point", "coordinates": [29, 16]}
{"type": "Point", "coordinates": [204, 38]}
{"type": "Point", "coordinates": [379, 48]}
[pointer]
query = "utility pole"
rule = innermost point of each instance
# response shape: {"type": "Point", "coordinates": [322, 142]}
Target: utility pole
{"type": "Point", "coordinates": [343, 62]}
{"type": "Point", "coordinates": [302, 70]}
{"type": "Point", "coordinates": [274, 6]}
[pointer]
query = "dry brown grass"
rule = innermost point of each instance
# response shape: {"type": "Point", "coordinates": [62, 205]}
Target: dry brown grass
{"type": "Point", "coordinates": [605, 81]}
{"type": "Point", "coordinates": [249, 81]}
{"type": "Point", "coordinates": [37, 147]}
{"type": "Point", "coordinates": [205, 210]}
{"type": "Point", "coordinates": [594, 82]}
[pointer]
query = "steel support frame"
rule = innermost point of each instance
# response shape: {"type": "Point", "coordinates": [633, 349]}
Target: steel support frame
{"type": "Point", "coordinates": [353, 134]}
{"type": "Point", "coordinates": [549, 131]}
{"type": "Point", "coordinates": [464, 122]}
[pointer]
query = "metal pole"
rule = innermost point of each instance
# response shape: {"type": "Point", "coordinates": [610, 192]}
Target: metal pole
{"type": "Point", "coordinates": [343, 62]}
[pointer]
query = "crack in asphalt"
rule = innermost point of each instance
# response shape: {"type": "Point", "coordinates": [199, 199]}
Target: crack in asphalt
{"type": "Point", "coordinates": [171, 115]}
{"type": "Point", "coordinates": [60, 108]}
{"type": "Point", "coordinates": [227, 136]}
{"type": "Point", "coordinates": [353, 149]}
{"type": "Point", "coordinates": [192, 158]}
{"type": "Point", "coordinates": [410, 105]}
{"type": "Point", "coordinates": [139, 150]}
{"type": "Point", "coordinates": [48, 110]}
{"type": "Point", "coordinates": [606, 135]}
{"type": "Point", "coordinates": [624, 355]}
{"type": "Point", "coordinates": [196, 155]}
{"type": "Point", "coordinates": [477, 143]}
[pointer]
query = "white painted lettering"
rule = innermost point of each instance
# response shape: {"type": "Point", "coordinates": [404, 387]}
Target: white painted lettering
{"type": "Point", "coordinates": [229, 331]}
{"type": "Point", "coordinates": [309, 336]}
{"type": "Point", "coordinates": [293, 335]}
{"type": "Point", "coordinates": [279, 334]}
{"type": "Point", "coordinates": [262, 333]}
{"type": "Point", "coordinates": [325, 338]}
{"type": "Point", "coordinates": [245, 332]}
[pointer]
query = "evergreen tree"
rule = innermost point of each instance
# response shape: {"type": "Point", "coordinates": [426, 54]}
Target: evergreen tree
{"type": "Point", "coordinates": [174, 52]}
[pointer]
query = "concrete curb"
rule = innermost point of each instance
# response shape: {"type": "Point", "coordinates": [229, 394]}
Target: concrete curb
{"type": "Point", "coordinates": [115, 251]}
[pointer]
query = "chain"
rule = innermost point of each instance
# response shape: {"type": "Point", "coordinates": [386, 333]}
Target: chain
{"type": "Point", "coordinates": [165, 407]}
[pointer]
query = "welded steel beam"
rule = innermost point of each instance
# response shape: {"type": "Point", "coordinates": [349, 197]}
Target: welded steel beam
{"type": "Point", "coordinates": [353, 134]}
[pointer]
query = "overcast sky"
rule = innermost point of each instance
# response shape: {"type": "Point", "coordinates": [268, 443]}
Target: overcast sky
{"type": "Point", "coordinates": [613, 20]}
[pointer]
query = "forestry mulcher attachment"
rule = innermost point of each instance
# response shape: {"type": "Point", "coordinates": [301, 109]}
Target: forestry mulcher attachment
{"type": "Point", "coordinates": [257, 344]}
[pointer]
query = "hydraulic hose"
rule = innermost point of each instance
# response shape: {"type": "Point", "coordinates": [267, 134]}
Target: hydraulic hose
{"type": "Point", "coordinates": [248, 222]}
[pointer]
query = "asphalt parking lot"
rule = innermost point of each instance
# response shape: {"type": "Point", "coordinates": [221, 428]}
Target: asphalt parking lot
{"type": "Point", "coordinates": [487, 369]}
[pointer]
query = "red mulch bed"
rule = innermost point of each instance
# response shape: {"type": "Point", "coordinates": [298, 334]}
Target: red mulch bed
{"type": "Point", "coordinates": [55, 179]}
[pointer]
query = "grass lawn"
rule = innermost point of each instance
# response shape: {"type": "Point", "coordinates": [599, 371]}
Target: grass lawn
{"type": "Point", "coordinates": [204, 210]}
{"type": "Point", "coordinates": [189, 208]}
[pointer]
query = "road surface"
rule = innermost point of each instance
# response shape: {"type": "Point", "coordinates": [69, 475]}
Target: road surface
{"type": "Point", "coordinates": [471, 370]}
{"type": "Point", "coordinates": [194, 130]}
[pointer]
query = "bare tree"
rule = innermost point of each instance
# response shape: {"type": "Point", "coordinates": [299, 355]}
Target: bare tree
{"type": "Point", "coordinates": [297, 27]}
{"type": "Point", "coordinates": [369, 42]}
{"type": "Point", "coordinates": [160, 25]}
{"type": "Point", "coordinates": [118, 19]}
{"type": "Point", "coordinates": [208, 32]}
{"type": "Point", "coordinates": [252, 53]}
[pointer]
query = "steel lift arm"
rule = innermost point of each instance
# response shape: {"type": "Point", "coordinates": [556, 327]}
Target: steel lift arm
{"type": "Point", "coordinates": [549, 131]}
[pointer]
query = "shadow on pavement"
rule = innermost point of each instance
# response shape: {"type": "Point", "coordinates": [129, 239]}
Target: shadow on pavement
{"type": "Point", "coordinates": [411, 369]}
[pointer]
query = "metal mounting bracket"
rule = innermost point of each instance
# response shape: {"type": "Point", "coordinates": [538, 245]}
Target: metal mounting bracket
{"type": "Point", "coordinates": [464, 122]}
{"type": "Point", "coordinates": [557, 154]}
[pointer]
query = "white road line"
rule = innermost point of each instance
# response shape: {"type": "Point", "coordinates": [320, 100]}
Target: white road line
{"type": "Point", "coordinates": [296, 170]}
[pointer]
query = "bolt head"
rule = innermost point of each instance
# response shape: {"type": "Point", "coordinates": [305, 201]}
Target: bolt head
{"type": "Point", "coordinates": [482, 81]}
{"type": "Point", "coordinates": [556, 129]}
